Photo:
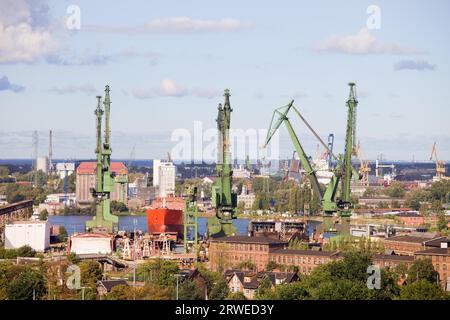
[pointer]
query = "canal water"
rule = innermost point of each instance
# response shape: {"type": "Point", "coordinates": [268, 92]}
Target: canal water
{"type": "Point", "coordinates": [77, 223]}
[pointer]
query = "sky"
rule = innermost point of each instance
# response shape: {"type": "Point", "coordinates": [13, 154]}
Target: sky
{"type": "Point", "coordinates": [168, 62]}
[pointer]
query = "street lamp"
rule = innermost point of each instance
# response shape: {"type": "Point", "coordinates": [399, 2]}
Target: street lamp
{"type": "Point", "coordinates": [177, 276]}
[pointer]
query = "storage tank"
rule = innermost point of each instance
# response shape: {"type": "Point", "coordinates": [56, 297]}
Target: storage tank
{"type": "Point", "coordinates": [42, 164]}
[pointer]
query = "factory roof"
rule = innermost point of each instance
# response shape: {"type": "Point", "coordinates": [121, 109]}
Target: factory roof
{"type": "Point", "coordinates": [408, 238]}
{"type": "Point", "coordinates": [305, 252]}
{"type": "Point", "coordinates": [247, 239]}
{"type": "Point", "coordinates": [91, 168]}
{"type": "Point", "coordinates": [435, 251]}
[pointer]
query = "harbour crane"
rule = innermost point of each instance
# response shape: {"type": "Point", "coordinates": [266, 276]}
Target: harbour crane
{"type": "Point", "coordinates": [331, 201]}
{"type": "Point", "coordinates": [224, 200]}
{"type": "Point", "coordinates": [440, 165]}
{"type": "Point", "coordinates": [364, 167]}
{"type": "Point", "coordinates": [103, 219]}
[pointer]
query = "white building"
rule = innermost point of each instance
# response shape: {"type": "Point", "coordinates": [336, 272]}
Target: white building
{"type": "Point", "coordinates": [166, 177]}
{"type": "Point", "coordinates": [42, 164]}
{"type": "Point", "coordinates": [91, 243]}
{"type": "Point", "coordinates": [68, 199]}
{"type": "Point", "coordinates": [156, 165]}
{"type": "Point", "coordinates": [35, 234]}
{"type": "Point", "coordinates": [65, 168]}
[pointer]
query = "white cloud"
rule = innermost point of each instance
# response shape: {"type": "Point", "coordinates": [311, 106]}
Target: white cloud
{"type": "Point", "coordinates": [175, 24]}
{"type": "Point", "coordinates": [83, 88]}
{"type": "Point", "coordinates": [23, 36]}
{"type": "Point", "coordinates": [420, 65]}
{"type": "Point", "coordinates": [169, 88]}
{"type": "Point", "coordinates": [362, 43]}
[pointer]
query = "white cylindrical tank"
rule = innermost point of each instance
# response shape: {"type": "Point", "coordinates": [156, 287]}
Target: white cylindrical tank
{"type": "Point", "coordinates": [42, 164]}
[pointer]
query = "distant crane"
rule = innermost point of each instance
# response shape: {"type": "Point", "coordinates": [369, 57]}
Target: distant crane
{"type": "Point", "coordinates": [440, 165]}
{"type": "Point", "coordinates": [132, 156]}
{"type": "Point", "coordinates": [364, 167]}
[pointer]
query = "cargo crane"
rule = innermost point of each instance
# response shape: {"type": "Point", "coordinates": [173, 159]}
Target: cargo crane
{"type": "Point", "coordinates": [344, 171]}
{"type": "Point", "coordinates": [440, 165]}
{"type": "Point", "coordinates": [103, 219]}
{"type": "Point", "coordinates": [364, 167]}
{"type": "Point", "coordinates": [224, 200]}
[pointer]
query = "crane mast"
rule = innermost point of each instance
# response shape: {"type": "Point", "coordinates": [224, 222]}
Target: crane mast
{"type": "Point", "coordinates": [223, 198]}
{"type": "Point", "coordinates": [103, 219]}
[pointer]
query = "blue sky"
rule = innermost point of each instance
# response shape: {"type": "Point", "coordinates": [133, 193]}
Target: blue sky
{"type": "Point", "coordinates": [167, 63]}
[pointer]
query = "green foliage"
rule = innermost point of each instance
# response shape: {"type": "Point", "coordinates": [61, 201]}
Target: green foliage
{"type": "Point", "coordinates": [395, 190]}
{"type": "Point", "coordinates": [422, 290]}
{"type": "Point", "coordinates": [72, 257]}
{"type": "Point", "coordinates": [117, 206]}
{"type": "Point", "coordinates": [25, 251]}
{"type": "Point", "coordinates": [442, 222]}
{"type": "Point", "coordinates": [272, 265]}
{"type": "Point", "coordinates": [245, 265]}
{"type": "Point", "coordinates": [27, 285]}
{"type": "Point", "coordinates": [219, 290]}
{"type": "Point", "coordinates": [63, 235]}
{"type": "Point", "coordinates": [159, 271]}
{"type": "Point", "coordinates": [188, 290]}
{"type": "Point", "coordinates": [91, 272]}
{"type": "Point", "coordinates": [422, 269]}
{"type": "Point", "coordinates": [43, 216]}
{"type": "Point", "coordinates": [236, 296]}
{"type": "Point", "coordinates": [264, 291]}
{"type": "Point", "coordinates": [146, 292]}
{"type": "Point", "coordinates": [292, 291]}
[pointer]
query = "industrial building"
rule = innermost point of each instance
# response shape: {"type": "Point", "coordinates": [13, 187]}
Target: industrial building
{"type": "Point", "coordinates": [91, 243]}
{"type": "Point", "coordinates": [64, 169]}
{"type": "Point", "coordinates": [86, 180]}
{"type": "Point", "coordinates": [35, 234]}
{"type": "Point", "coordinates": [164, 173]}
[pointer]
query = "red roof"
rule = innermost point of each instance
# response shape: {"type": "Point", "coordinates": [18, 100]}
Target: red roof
{"type": "Point", "coordinates": [91, 168]}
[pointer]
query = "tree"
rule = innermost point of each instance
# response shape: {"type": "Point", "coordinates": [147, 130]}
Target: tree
{"type": "Point", "coordinates": [27, 285]}
{"type": "Point", "coordinates": [219, 291]}
{"type": "Point", "coordinates": [292, 291]}
{"type": "Point", "coordinates": [236, 296]}
{"type": "Point", "coordinates": [120, 292]}
{"type": "Point", "coordinates": [188, 290]}
{"type": "Point", "coordinates": [117, 206]}
{"type": "Point", "coordinates": [442, 221]}
{"type": "Point", "coordinates": [396, 190]}
{"type": "Point", "coordinates": [422, 290]}
{"type": "Point", "coordinates": [159, 271]}
{"type": "Point", "coordinates": [63, 235]}
{"type": "Point", "coordinates": [91, 272]}
{"type": "Point", "coordinates": [26, 251]}
{"type": "Point", "coordinates": [245, 265]}
{"type": "Point", "coordinates": [240, 207]}
{"type": "Point", "coordinates": [422, 269]}
{"type": "Point", "coordinates": [43, 215]}
{"type": "Point", "coordinates": [271, 265]}
{"type": "Point", "coordinates": [264, 291]}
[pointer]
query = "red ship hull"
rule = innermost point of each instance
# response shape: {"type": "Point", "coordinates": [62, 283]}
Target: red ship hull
{"type": "Point", "coordinates": [165, 220]}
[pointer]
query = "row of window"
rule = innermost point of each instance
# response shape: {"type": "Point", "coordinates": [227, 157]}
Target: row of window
{"type": "Point", "coordinates": [296, 260]}
{"type": "Point", "coordinates": [249, 247]}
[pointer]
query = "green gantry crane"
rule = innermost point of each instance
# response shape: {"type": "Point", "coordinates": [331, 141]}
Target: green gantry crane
{"type": "Point", "coordinates": [331, 202]}
{"type": "Point", "coordinates": [190, 220]}
{"type": "Point", "coordinates": [224, 200]}
{"type": "Point", "coordinates": [103, 219]}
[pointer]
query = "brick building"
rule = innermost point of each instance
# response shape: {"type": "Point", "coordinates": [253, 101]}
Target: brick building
{"type": "Point", "coordinates": [391, 260]}
{"type": "Point", "coordinates": [409, 244]}
{"type": "Point", "coordinates": [86, 179]}
{"type": "Point", "coordinates": [305, 260]}
{"type": "Point", "coordinates": [440, 257]}
{"type": "Point", "coordinates": [227, 252]}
